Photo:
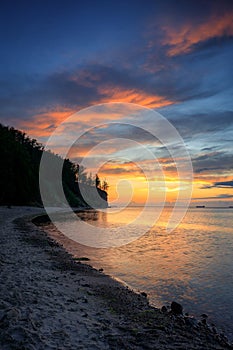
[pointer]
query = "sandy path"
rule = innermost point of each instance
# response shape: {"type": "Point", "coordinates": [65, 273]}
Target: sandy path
{"type": "Point", "coordinates": [49, 301]}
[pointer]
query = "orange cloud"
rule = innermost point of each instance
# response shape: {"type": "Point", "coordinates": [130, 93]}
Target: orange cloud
{"type": "Point", "coordinates": [134, 96]}
{"type": "Point", "coordinates": [181, 39]}
{"type": "Point", "coordinates": [43, 123]}
{"type": "Point", "coordinates": [128, 169]}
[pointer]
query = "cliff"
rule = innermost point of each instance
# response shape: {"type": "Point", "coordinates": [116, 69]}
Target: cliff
{"type": "Point", "coordinates": [93, 197]}
{"type": "Point", "coordinates": [19, 175]}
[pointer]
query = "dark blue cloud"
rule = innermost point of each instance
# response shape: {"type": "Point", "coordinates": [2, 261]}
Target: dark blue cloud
{"type": "Point", "coordinates": [216, 162]}
{"type": "Point", "coordinates": [220, 196]}
{"type": "Point", "coordinates": [221, 184]}
{"type": "Point", "coordinates": [224, 184]}
{"type": "Point", "coordinates": [202, 123]}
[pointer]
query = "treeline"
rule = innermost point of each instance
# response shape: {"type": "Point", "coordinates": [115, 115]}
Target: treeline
{"type": "Point", "coordinates": [19, 174]}
{"type": "Point", "coordinates": [91, 180]}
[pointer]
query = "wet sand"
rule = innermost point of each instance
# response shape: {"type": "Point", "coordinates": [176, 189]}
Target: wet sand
{"type": "Point", "coordinates": [49, 300]}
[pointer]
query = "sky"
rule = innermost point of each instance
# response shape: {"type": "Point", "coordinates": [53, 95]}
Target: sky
{"type": "Point", "coordinates": [174, 57]}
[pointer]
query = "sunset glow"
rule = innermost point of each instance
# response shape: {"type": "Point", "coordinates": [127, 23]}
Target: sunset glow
{"type": "Point", "coordinates": [174, 59]}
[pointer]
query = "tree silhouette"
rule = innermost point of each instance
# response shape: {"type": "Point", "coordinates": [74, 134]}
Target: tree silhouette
{"type": "Point", "coordinates": [19, 174]}
{"type": "Point", "coordinates": [97, 181]}
{"type": "Point", "coordinates": [105, 185]}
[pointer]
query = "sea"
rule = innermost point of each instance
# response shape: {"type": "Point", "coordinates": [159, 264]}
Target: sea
{"type": "Point", "coordinates": [191, 264]}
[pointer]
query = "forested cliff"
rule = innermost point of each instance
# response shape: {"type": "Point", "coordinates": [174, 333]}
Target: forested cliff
{"type": "Point", "coordinates": [19, 174]}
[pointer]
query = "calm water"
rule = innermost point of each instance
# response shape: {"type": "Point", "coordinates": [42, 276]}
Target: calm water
{"type": "Point", "coordinates": [192, 265]}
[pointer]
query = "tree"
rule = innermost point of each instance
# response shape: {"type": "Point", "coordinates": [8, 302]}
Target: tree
{"type": "Point", "coordinates": [82, 174]}
{"type": "Point", "coordinates": [105, 185]}
{"type": "Point", "coordinates": [90, 180]}
{"type": "Point", "coordinates": [97, 181]}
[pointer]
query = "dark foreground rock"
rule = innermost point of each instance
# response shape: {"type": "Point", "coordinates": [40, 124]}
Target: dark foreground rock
{"type": "Point", "coordinates": [176, 308]}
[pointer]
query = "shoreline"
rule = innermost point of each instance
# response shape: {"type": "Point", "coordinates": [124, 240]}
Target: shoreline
{"type": "Point", "coordinates": [49, 300]}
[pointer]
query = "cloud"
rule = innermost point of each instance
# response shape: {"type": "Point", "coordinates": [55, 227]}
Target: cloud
{"type": "Point", "coordinates": [47, 122]}
{"type": "Point", "coordinates": [129, 169]}
{"type": "Point", "coordinates": [208, 148]}
{"type": "Point", "coordinates": [214, 162]}
{"type": "Point", "coordinates": [220, 184]}
{"type": "Point", "coordinates": [190, 124]}
{"type": "Point", "coordinates": [186, 37]}
{"type": "Point", "coordinates": [220, 196]}
{"type": "Point", "coordinates": [134, 96]}
{"type": "Point", "coordinates": [224, 184]}
{"type": "Point", "coordinates": [117, 171]}
{"type": "Point", "coordinates": [78, 88]}
{"type": "Point", "coordinates": [96, 83]}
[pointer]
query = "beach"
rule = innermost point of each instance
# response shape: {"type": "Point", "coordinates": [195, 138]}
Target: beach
{"type": "Point", "coordinates": [49, 300]}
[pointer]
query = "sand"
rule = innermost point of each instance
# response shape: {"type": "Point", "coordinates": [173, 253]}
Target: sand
{"type": "Point", "coordinates": [50, 301]}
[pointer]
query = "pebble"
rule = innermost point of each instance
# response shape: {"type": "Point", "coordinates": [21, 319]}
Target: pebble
{"type": "Point", "coordinates": [177, 308]}
{"type": "Point", "coordinates": [164, 309]}
{"type": "Point", "coordinates": [214, 330]}
{"type": "Point", "coordinates": [144, 294]}
{"type": "Point", "coordinates": [192, 322]}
